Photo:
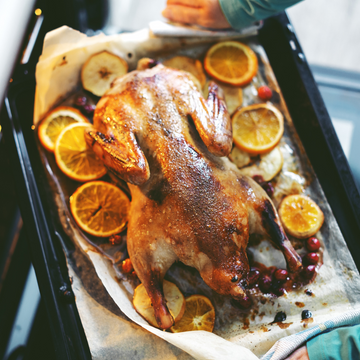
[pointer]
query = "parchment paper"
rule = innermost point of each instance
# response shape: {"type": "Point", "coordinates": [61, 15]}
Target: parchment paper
{"type": "Point", "coordinates": [236, 335]}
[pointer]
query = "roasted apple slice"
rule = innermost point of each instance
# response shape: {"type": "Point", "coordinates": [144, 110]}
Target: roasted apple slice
{"type": "Point", "coordinates": [175, 302]}
{"type": "Point", "coordinates": [190, 65]}
{"type": "Point", "coordinates": [268, 166]}
{"type": "Point", "coordinates": [100, 70]}
{"type": "Point", "coordinates": [239, 157]}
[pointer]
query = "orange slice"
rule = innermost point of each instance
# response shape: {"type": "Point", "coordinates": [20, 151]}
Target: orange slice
{"type": "Point", "coordinates": [300, 216]}
{"type": "Point", "coordinates": [74, 157]}
{"type": "Point", "coordinates": [99, 208]}
{"type": "Point", "coordinates": [100, 70]}
{"type": "Point", "coordinates": [257, 128]}
{"type": "Point", "coordinates": [199, 315]}
{"type": "Point", "coordinates": [175, 302]}
{"type": "Point", "coordinates": [231, 62]}
{"type": "Point", "coordinates": [55, 122]}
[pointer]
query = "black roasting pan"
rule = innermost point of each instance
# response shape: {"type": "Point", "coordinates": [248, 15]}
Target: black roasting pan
{"type": "Point", "coordinates": [47, 240]}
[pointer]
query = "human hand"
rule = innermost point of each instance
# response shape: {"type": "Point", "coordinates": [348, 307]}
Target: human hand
{"type": "Point", "coordinates": [299, 354]}
{"type": "Point", "coordinates": [206, 13]}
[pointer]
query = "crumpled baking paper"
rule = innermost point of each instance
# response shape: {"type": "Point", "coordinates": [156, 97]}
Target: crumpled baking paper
{"type": "Point", "coordinates": [337, 285]}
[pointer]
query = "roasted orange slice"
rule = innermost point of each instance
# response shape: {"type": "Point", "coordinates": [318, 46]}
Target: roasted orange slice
{"type": "Point", "coordinates": [100, 70]}
{"type": "Point", "coordinates": [231, 62]}
{"type": "Point", "coordinates": [74, 157]}
{"type": "Point", "coordinates": [55, 122]}
{"type": "Point", "coordinates": [300, 216]}
{"type": "Point", "coordinates": [199, 315]}
{"type": "Point", "coordinates": [99, 208]}
{"type": "Point", "coordinates": [175, 302]}
{"type": "Point", "coordinates": [257, 128]}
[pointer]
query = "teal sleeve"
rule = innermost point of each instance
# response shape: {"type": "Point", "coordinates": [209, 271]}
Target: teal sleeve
{"type": "Point", "coordinates": [242, 13]}
{"type": "Point", "coordinates": [339, 344]}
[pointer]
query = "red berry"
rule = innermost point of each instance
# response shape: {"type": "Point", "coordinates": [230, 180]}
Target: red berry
{"type": "Point", "coordinates": [264, 92]}
{"type": "Point", "coordinates": [259, 179]}
{"type": "Point", "coordinates": [313, 244]}
{"type": "Point", "coordinates": [253, 276]}
{"type": "Point", "coordinates": [268, 187]}
{"type": "Point", "coordinates": [280, 291]}
{"type": "Point", "coordinates": [115, 239]}
{"type": "Point", "coordinates": [89, 108]}
{"type": "Point", "coordinates": [127, 266]}
{"type": "Point", "coordinates": [80, 101]}
{"type": "Point", "coordinates": [245, 302]}
{"type": "Point", "coordinates": [281, 275]}
{"type": "Point", "coordinates": [265, 283]}
{"type": "Point", "coordinates": [309, 271]}
{"type": "Point", "coordinates": [311, 258]}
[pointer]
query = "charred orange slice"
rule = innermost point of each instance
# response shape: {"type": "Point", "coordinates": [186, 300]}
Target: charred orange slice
{"type": "Point", "coordinates": [300, 216]}
{"type": "Point", "coordinates": [55, 122]}
{"type": "Point", "coordinates": [74, 157]}
{"type": "Point", "coordinates": [231, 62]}
{"type": "Point", "coordinates": [199, 315]}
{"type": "Point", "coordinates": [175, 302]}
{"type": "Point", "coordinates": [257, 128]}
{"type": "Point", "coordinates": [100, 209]}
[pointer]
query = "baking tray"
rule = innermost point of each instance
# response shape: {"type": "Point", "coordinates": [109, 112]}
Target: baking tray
{"type": "Point", "coordinates": [47, 240]}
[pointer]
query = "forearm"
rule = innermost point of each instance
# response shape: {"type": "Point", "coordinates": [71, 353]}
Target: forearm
{"type": "Point", "coordinates": [241, 13]}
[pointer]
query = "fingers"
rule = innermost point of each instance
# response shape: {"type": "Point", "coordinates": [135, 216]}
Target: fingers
{"type": "Point", "coordinates": [182, 14]}
{"type": "Point", "coordinates": [203, 13]}
{"type": "Point", "coordinates": [190, 3]}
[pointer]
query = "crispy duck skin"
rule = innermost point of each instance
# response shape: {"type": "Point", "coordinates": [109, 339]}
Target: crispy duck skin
{"type": "Point", "coordinates": [189, 202]}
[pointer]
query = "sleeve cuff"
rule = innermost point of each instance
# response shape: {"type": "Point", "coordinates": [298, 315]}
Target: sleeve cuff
{"type": "Point", "coordinates": [315, 348]}
{"type": "Point", "coordinates": [242, 13]}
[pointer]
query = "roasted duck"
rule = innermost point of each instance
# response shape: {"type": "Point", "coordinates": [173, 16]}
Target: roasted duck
{"type": "Point", "coordinates": [157, 132]}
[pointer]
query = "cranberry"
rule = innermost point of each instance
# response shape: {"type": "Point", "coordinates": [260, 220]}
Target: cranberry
{"type": "Point", "coordinates": [127, 266]}
{"type": "Point", "coordinates": [265, 283]}
{"type": "Point", "coordinates": [253, 276]}
{"type": "Point", "coordinates": [280, 291]}
{"type": "Point", "coordinates": [309, 271]}
{"type": "Point", "coordinates": [80, 101]}
{"type": "Point", "coordinates": [264, 92]}
{"type": "Point", "coordinates": [245, 302]}
{"type": "Point", "coordinates": [281, 275]}
{"type": "Point", "coordinates": [115, 239]}
{"type": "Point", "coordinates": [153, 63]}
{"type": "Point", "coordinates": [269, 188]}
{"type": "Point", "coordinates": [313, 244]}
{"type": "Point", "coordinates": [311, 258]}
{"type": "Point", "coordinates": [276, 284]}
{"type": "Point", "coordinates": [259, 179]}
{"type": "Point", "coordinates": [89, 108]}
